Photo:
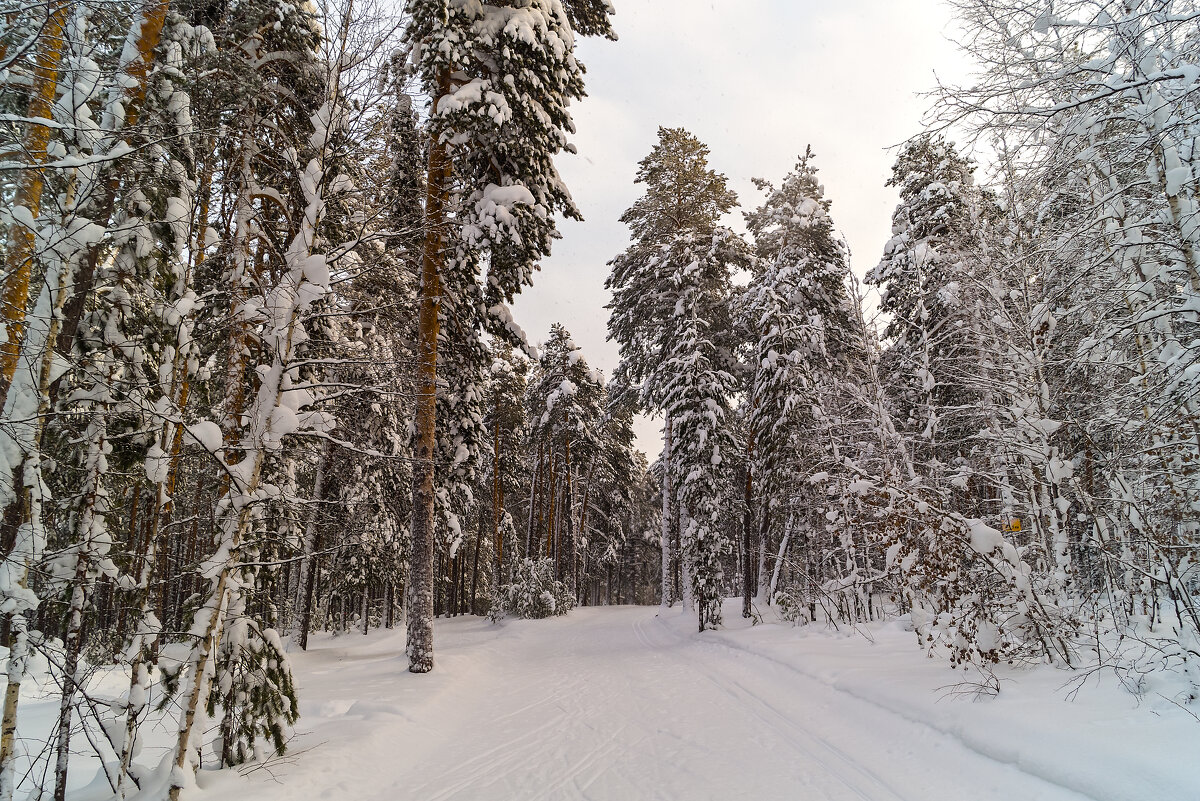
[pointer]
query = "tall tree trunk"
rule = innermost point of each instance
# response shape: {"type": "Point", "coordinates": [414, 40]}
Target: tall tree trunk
{"type": "Point", "coordinates": [667, 597]}
{"type": "Point", "coordinates": [389, 612]}
{"type": "Point", "coordinates": [763, 530]}
{"type": "Point", "coordinates": [420, 604]}
{"type": "Point", "coordinates": [748, 566]}
{"type": "Point", "coordinates": [552, 487]}
{"type": "Point", "coordinates": [569, 516]}
{"type": "Point", "coordinates": [497, 508]}
{"type": "Point", "coordinates": [783, 546]}
{"type": "Point", "coordinates": [312, 542]}
{"type": "Point", "coordinates": [534, 505]}
{"type": "Point", "coordinates": [28, 195]}
{"type": "Point", "coordinates": [475, 566]}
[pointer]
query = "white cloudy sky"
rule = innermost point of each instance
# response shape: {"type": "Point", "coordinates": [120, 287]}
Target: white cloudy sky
{"type": "Point", "coordinates": [756, 80]}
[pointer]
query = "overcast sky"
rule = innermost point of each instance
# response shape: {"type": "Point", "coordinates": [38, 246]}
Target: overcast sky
{"type": "Point", "coordinates": [756, 80]}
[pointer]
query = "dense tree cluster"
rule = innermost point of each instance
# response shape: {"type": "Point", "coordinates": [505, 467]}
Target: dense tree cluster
{"type": "Point", "coordinates": [1008, 454]}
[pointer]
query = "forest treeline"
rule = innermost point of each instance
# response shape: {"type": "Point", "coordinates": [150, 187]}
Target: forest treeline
{"type": "Point", "coordinates": [260, 377]}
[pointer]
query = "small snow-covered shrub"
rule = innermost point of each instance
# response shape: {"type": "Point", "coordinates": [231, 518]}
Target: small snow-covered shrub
{"type": "Point", "coordinates": [794, 605]}
{"type": "Point", "coordinates": [532, 593]}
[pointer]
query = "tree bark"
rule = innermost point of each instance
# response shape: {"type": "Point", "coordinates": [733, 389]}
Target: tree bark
{"type": "Point", "coordinates": [667, 597]}
{"type": "Point", "coordinates": [28, 195]}
{"type": "Point", "coordinates": [475, 565]}
{"type": "Point", "coordinates": [534, 505]}
{"type": "Point", "coordinates": [420, 605]}
{"type": "Point", "coordinates": [497, 506]}
{"type": "Point", "coordinates": [783, 546]}
{"type": "Point", "coordinates": [312, 542]}
{"type": "Point", "coordinates": [748, 565]}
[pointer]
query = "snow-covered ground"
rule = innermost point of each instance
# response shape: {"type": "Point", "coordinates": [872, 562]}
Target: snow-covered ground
{"type": "Point", "coordinates": [626, 703]}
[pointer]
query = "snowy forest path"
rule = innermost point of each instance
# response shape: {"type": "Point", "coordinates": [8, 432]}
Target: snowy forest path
{"type": "Point", "coordinates": [608, 703]}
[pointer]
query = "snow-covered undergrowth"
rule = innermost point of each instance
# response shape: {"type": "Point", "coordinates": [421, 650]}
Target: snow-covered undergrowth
{"type": "Point", "coordinates": [533, 593]}
{"type": "Point", "coordinates": [631, 702]}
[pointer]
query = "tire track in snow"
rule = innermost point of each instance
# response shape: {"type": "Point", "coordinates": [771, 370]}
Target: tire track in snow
{"type": "Point", "coordinates": [782, 725]}
{"type": "Point", "coordinates": [487, 763]}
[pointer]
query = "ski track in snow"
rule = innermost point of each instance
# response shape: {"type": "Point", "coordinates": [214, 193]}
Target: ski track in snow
{"type": "Point", "coordinates": [613, 703]}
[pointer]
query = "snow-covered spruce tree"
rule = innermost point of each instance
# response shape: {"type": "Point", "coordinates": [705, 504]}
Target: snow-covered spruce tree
{"type": "Point", "coordinates": [669, 313]}
{"type": "Point", "coordinates": [533, 593]}
{"type": "Point", "coordinates": [700, 391]}
{"type": "Point", "coordinates": [798, 315]}
{"type": "Point", "coordinates": [499, 78]}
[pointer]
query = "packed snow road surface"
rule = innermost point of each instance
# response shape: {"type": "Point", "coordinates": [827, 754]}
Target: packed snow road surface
{"type": "Point", "coordinates": [610, 703]}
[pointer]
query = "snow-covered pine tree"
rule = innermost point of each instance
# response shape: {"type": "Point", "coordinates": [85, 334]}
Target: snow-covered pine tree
{"type": "Point", "coordinates": [670, 316]}
{"type": "Point", "coordinates": [499, 78]}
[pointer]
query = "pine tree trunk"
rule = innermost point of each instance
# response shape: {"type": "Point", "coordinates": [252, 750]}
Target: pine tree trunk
{"type": "Point", "coordinates": [23, 238]}
{"type": "Point", "coordinates": [420, 606]}
{"type": "Point", "coordinates": [667, 597]}
{"type": "Point", "coordinates": [389, 613]}
{"type": "Point", "coordinates": [534, 505]}
{"type": "Point", "coordinates": [497, 508]}
{"type": "Point", "coordinates": [475, 568]}
{"type": "Point", "coordinates": [748, 566]}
